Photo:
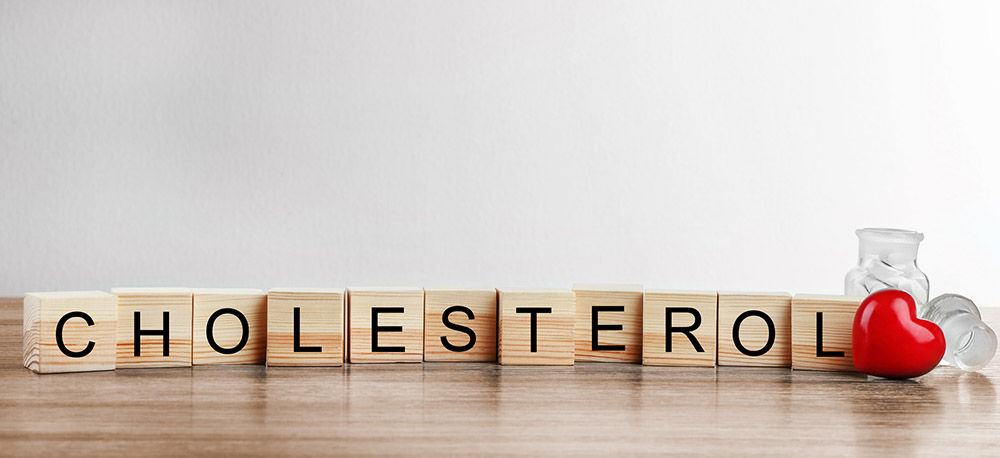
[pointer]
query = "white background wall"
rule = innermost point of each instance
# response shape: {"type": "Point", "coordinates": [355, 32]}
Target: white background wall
{"type": "Point", "coordinates": [716, 144]}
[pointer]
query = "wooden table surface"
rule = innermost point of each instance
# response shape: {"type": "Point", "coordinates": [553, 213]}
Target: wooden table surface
{"type": "Point", "coordinates": [480, 409]}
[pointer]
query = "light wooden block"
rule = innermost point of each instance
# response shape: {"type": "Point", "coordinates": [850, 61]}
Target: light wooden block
{"type": "Point", "coordinates": [617, 310]}
{"type": "Point", "coordinates": [758, 349]}
{"type": "Point", "coordinates": [691, 327]}
{"type": "Point", "coordinates": [400, 313]}
{"type": "Point", "coordinates": [155, 306]}
{"type": "Point", "coordinates": [463, 319]}
{"type": "Point", "coordinates": [239, 329]}
{"type": "Point", "coordinates": [69, 331]}
{"type": "Point", "coordinates": [829, 350]}
{"type": "Point", "coordinates": [554, 312]}
{"type": "Point", "coordinates": [317, 339]}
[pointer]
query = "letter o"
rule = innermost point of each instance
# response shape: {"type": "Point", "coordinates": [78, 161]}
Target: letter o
{"type": "Point", "coordinates": [211, 325]}
{"type": "Point", "coordinates": [770, 333]}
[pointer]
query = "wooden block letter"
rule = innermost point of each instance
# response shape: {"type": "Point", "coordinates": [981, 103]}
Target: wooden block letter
{"type": "Point", "coordinates": [305, 327]}
{"type": "Point", "coordinates": [678, 328]}
{"type": "Point", "coordinates": [536, 327]}
{"type": "Point", "coordinates": [755, 329]}
{"type": "Point", "coordinates": [386, 325]}
{"type": "Point", "coordinates": [822, 328]}
{"type": "Point", "coordinates": [69, 331]}
{"type": "Point", "coordinates": [608, 323]}
{"type": "Point", "coordinates": [460, 324]}
{"type": "Point", "coordinates": [154, 327]}
{"type": "Point", "coordinates": [230, 326]}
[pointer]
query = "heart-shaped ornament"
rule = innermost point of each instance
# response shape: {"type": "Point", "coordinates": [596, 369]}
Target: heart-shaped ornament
{"type": "Point", "coordinates": [890, 341]}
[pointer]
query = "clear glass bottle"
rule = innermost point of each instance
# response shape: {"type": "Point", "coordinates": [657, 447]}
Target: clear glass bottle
{"type": "Point", "coordinates": [970, 343]}
{"type": "Point", "coordinates": [887, 258]}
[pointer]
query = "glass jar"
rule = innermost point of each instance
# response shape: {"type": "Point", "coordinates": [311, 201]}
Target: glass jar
{"type": "Point", "coordinates": [970, 343]}
{"type": "Point", "coordinates": [887, 258]}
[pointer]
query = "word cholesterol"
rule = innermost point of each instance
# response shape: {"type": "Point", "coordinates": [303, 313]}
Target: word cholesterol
{"type": "Point", "coordinates": [180, 327]}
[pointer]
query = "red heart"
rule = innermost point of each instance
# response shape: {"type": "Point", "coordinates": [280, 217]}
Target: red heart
{"type": "Point", "coordinates": [890, 341]}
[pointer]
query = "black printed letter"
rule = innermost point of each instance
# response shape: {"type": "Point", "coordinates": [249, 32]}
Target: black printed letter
{"type": "Point", "coordinates": [686, 330]}
{"type": "Point", "coordinates": [534, 311]}
{"type": "Point", "coordinates": [594, 327]}
{"type": "Point", "coordinates": [819, 340]}
{"type": "Point", "coordinates": [376, 329]}
{"type": "Point", "coordinates": [297, 334]}
{"type": "Point", "coordinates": [137, 332]}
{"type": "Point", "coordinates": [59, 335]}
{"type": "Point", "coordinates": [209, 331]}
{"type": "Point", "coordinates": [736, 332]}
{"type": "Point", "coordinates": [458, 327]}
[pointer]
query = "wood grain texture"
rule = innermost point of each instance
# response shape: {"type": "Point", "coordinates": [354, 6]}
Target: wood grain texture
{"type": "Point", "coordinates": [321, 326]}
{"type": "Point", "coordinates": [682, 350]}
{"type": "Point", "coordinates": [361, 301]}
{"type": "Point", "coordinates": [554, 330]}
{"type": "Point", "coordinates": [41, 315]}
{"type": "Point", "coordinates": [32, 331]}
{"type": "Point", "coordinates": [627, 297]}
{"type": "Point", "coordinates": [753, 330]}
{"type": "Point", "coordinates": [474, 409]}
{"type": "Point", "coordinates": [228, 329]}
{"type": "Point", "coordinates": [481, 302]}
{"type": "Point", "coordinates": [151, 303]}
{"type": "Point", "coordinates": [838, 324]}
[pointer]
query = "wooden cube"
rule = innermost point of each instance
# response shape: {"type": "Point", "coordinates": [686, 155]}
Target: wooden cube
{"type": "Point", "coordinates": [305, 327]}
{"type": "Point", "coordinates": [230, 326]}
{"type": "Point", "coordinates": [154, 327]}
{"type": "Point", "coordinates": [69, 331]}
{"type": "Point", "coordinates": [536, 327]}
{"type": "Point", "coordinates": [755, 329]}
{"type": "Point", "coordinates": [460, 324]}
{"type": "Point", "coordinates": [679, 328]}
{"type": "Point", "coordinates": [608, 323]}
{"type": "Point", "coordinates": [822, 329]}
{"type": "Point", "coordinates": [386, 325]}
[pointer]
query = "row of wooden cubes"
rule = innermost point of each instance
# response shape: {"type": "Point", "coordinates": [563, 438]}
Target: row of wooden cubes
{"type": "Point", "coordinates": [179, 327]}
